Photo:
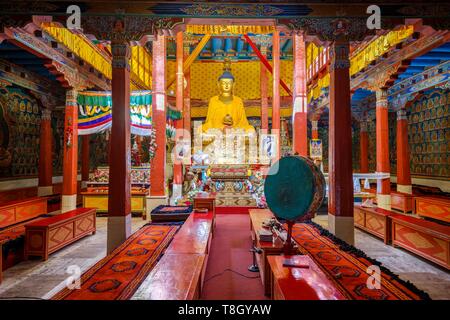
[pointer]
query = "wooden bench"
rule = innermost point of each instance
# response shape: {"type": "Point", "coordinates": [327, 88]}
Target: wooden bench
{"type": "Point", "coordinates": [402, 201]}
{"type": "Point", "coordinates": [374, 221]}
{"type": "Point", "coordinates": [289, 283]}
{"type": "Point", "coordinates": [436, 207]}
{"type": "Point", "coordinates": [1, 262]}
{"type": "Point", "coordinates": [195, 237]}
{"type": "Point", "coordinates": [13, 212]}
{"type": "Point", "coordinates": [48, 235]}
{"type": "Point", "coordinates": [427, 239]}
{"type": "Point", "coordinates": [177, 276]}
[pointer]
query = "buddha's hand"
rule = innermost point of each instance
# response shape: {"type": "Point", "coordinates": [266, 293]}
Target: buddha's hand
{"type": "Point", "coordinates": [227, 120]}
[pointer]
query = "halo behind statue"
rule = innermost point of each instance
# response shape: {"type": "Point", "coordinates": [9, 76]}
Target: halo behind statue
{"type": "Point", "coordinates": [294, 190]}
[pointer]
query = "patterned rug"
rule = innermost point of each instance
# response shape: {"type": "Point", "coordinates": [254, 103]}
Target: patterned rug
{"type": "Point", "coordinates": [347, 266]}
{"type": "Point", "coordinates": [118, 275]}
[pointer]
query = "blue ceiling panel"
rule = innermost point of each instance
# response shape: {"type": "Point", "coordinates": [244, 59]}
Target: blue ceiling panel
{"type": "Point", "coordinates": [25, 59]}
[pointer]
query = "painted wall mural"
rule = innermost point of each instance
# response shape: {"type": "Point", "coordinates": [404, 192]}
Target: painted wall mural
{"type": "Point", "coordinates": [20, 122]}
{"type": "Point", "coordinates": [19, 139]}
{"type": "Point", "coordinates": [429, 134]}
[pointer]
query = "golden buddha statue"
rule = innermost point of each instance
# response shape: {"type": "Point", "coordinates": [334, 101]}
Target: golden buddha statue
{"type": "Point", "coordinates": [226, 110]}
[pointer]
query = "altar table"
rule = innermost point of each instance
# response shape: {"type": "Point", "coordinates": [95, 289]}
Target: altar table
{"type": "Point", "coordinates": [290, 283]}
{"type": "Point", "coordinates": [98, 198]}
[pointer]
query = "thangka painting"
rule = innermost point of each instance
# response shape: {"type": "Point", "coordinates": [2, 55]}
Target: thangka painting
{"type": "Point", "coordinates": [315, 149]}
{"type": "Point", "coordinates": [268, 147]}
{"type": "Point", "coordinates": [429, 134]}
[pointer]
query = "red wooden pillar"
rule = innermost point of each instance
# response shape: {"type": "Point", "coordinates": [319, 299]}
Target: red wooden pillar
{"type": "Point", "coordinates": [383, 165]}
{"type": "Point", "coordinates": [340, 195]}
{"type": "Point", "coordinates": [177, 185]}
{"type": "Point", "coordinates": [158, 193]}
{"type": "Point", "coordinates": [276, 89]}
{"type": "Point", "coordinates": [264, 82]}
{"type": "Point", "coordinates": [314, 129]}
{"type": "Point", "coordinates": [187, 99]}
{"type": "Point", "coordinates": [300, 123]}
{"type": "Point", "coordinates": [403, 167]}
{"type": "Point", "coordinates": [70, 161]}
{"type": "Point", "coordinates": [119, 197]}
{"type": "Point", "coordinates": [45, 186]}
{"type": "Point", "coordinates": [364, 148]}
{"type": "Point", "coordinates": [84, 160]}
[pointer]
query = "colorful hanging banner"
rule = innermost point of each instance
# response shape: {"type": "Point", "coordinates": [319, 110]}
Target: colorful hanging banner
{"type": "Point", "coordinates": [95, 113]}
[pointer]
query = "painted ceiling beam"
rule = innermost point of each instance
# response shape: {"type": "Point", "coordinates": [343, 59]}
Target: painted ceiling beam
{"type": "Point", "coordinates": [32, 81]}
{"type": "Point", "coordinates": [41, 49]}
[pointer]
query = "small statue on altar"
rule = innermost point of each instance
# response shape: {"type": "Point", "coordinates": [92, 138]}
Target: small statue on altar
{"type": "Point", "coordinates": [226, 110]}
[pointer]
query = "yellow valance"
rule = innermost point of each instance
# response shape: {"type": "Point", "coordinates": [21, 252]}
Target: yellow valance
{"type": "Point", "coordinates": [378, 47]}
{"type": "Point", "coordinates": [81, 46]}
{"type": "Point", "coordinates": [221, 29]}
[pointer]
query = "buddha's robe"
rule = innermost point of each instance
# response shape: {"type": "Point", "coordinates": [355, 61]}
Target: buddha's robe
{"type": "Point", "coordinates": [217, 110]}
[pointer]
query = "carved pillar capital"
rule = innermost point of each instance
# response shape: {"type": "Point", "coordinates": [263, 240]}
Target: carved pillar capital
{"type": "Point", "coordinates": [402, 114]}
{"type": "Point", "coordinates": [363, 126]}
{"type": "Point", "coordinates": [71, 97]}
{"type": "Point", "coordinates": [339, 54]}
{"type": "Point", "coordinates": [46, 115]}
{"type": "Point", "coordinates": [381, 95]}
{"type": "Point", "coordinates": [121, 54]}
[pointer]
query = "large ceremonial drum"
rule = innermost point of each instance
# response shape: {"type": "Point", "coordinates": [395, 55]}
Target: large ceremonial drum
{"type": "Point", "coordinates": [294, 188]}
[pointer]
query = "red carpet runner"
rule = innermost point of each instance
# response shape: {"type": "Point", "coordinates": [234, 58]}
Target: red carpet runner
{"type": "Point", "coordinates": [118, 275]}
{"type": "Point", "coordinates": [348, 269]}
{"type": "Point", "coordinates": [230, 251]}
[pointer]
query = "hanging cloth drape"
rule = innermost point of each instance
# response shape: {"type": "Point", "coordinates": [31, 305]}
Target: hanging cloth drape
{"type": "Point", "coordinates": [95, 113]}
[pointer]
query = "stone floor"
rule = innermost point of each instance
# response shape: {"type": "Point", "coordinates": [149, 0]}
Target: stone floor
{"type": "Point", "coordinates": [41, 280]}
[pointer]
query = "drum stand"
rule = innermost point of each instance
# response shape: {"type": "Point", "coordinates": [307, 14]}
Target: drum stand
{"type": "Point", "coordinates": [254, 267]}
{"type": "Point", "coordinates": [288, 246]}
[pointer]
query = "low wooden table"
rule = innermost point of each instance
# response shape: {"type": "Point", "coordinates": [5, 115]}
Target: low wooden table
{"type": "Point", "coordinates": [257, 216]}
{"type": "Point", "coordinates": [402, 201]}
{"type": "Point", "coordinates": [427, 239]}
{"type": "Point", "coordinates": [13, 212]}
{"type": "Point", "coordinates": [373, 220]}
{"type": "Point", "coordinates": [433, 207]}
{"type": "Point", "coordinates": [48, 235]}
{"type": "Point", "coordinates": [207, 201]}
{"type": "Point", "coordinates": [290, 283]}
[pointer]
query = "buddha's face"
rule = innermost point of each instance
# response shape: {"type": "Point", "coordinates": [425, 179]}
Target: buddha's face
{"type": "Point", "coordinates": [226, 87]}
